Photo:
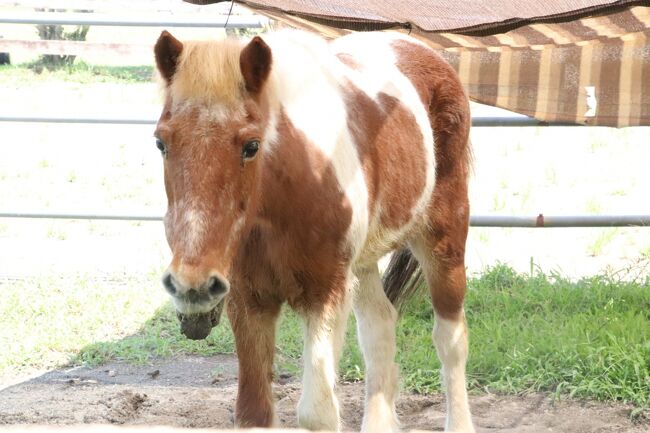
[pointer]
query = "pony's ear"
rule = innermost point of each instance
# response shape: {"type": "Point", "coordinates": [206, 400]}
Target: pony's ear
{"type": "Point", "coordinates": [255, 64]}
{"type": "Point", "coordinates": [167, 51]}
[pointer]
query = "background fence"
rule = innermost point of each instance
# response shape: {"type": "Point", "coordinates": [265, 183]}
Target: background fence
{"type": "Point", "coordinates": [235, 21]}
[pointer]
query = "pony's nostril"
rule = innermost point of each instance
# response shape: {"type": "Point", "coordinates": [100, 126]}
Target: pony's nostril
{"type": "Point", "coordinates": [216, 286]}
{"type": "Point", "coordinates": [169, 284]}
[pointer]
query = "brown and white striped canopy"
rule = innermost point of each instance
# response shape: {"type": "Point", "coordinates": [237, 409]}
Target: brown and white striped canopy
{"type": "Point", "coordinates": [582, 61]}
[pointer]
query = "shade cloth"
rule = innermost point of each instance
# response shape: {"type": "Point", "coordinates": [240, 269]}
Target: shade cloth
{"type": "Point", "coordinates": [581, 61]}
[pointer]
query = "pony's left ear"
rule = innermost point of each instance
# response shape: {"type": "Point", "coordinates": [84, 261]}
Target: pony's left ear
{"type": "Point", "coordinates": [255, 64]}
{"type": "Point", "coordinates": [167, 51]}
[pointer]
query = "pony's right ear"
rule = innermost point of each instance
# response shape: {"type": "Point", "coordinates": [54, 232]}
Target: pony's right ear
{"type": "Point", "coordinates": [255, 64]}
{"type": "Point", "coordinates": [167, 51]}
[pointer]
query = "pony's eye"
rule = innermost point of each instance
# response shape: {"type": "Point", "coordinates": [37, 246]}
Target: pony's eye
{"type": "Point", "coordinates": [250, 150]}
{"type": "Point", "coordinates": [161, 146]}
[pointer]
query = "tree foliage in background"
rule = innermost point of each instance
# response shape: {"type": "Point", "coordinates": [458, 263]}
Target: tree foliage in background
{"type": "Point", "coordinates": [57, 32]}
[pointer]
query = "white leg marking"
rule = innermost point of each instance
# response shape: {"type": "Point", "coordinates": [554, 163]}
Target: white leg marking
{"type": "Point", "coordinates": [376, 320]}
{"type": "Point", "coordinates": [324, 334]}
{"type": "Point", "coordinates": [450, 339]}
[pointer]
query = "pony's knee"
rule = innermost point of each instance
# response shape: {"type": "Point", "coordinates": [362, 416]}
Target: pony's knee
{"type": "Point", "coordinates": [371, 303]}
{"type": "Point", "coordinates": [450, 339]}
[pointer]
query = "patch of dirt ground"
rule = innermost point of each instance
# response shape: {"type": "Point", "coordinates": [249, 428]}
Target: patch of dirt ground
{"type": "Point", "coordinates": [200, 392]}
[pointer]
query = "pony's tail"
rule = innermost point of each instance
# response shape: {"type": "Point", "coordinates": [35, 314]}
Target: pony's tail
{"type": "Point", "coordinates": [402, 278]}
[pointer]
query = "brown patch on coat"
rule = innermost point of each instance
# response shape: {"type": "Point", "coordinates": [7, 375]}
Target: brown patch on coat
{"type": "Point", "coordinates": [348, 60]}
{"type": "Point", "coordinates": [441, 91]}
{"type": "Point", "coordinates": [295, 251]}
{"type": "Point", "coordinates": [304, 219]}
{"type": "Point", "coordinates": [391, 149]}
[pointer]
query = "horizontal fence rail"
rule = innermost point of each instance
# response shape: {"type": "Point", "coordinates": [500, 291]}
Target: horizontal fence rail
{"type": "Point", "coordinates": [91, 19]}
{"type": "Point", "coordinates": [74, 48]}
{"type": "Point", "coordinates": [540, 221]}
{"type": "Point", "coordinates": [83, 216]}
{"type": "Point", "coordinates": [239, 21]}
{"type": "Point", "coordinates": [556, 221]}
{"type": "Point", "coordinates": [479, 121]}
{"type": "Point", "coordinates": [74, 119]}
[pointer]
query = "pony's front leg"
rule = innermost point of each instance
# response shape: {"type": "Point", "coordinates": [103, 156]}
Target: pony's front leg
{"type": "Point", "coordinates": [324, 332]}
{"type": "Point", "coordinates": [254, 329]}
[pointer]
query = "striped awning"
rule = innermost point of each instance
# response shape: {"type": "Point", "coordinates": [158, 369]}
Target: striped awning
{"type": "Point", "coordinates": [581, 61]}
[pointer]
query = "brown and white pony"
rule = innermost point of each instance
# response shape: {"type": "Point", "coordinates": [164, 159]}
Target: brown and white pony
{"type": "Point", "coordinates": [292, 164]}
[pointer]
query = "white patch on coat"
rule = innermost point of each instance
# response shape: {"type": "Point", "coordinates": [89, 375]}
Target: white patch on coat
{"type": "Point", "coordinates": [324, 334]}
{"type": "Point", "coordinates": [450, 339]}
{"type": "Point", "coordinates": [188, 220]}
{"type": "Point", "coordinates": [305, 82]}
{"type": "Point", "coordinates": [194, 229]}
{"type": "Point", "coordinates": [377, 74]}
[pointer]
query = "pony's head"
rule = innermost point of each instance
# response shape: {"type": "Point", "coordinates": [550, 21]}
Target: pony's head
{"type": "Point", "coordinates": [211, 135]}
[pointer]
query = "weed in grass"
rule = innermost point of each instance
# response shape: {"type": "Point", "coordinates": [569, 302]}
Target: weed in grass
{"type": "Point", "coordinates": [43, 163]}
{"type": "Point", "coordinates": [594, 207]}
{"type": "Point", "coordinates": [498, 202]}
{"type": "Point", "coordinates": [597, 144]}
{"type": "Point", "coordinates": [53, 232]}
{"type": "Point", "coordinates": [603, 239]}
{"type": "Point", "coordinates": [525, 195]}
{"type": "Point", "coordinates": [551, 176]}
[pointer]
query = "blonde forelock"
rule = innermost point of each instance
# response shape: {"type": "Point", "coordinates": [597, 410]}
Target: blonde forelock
{"type": "Point", "coordinates": [208, 71]}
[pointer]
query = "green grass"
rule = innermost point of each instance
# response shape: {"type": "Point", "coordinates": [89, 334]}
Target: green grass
{"type": "Point", "coordinates": [46, 321]}
{"type": "Point", "coordinates": [604, 238]}
{"type": "Point", "coordinates": [79, 72]}
{"type": "Point", "coordinates": [586, 339]}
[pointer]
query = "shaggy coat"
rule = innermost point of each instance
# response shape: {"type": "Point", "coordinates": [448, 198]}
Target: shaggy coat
{"type": "Point", "coordinates": [292, 165]}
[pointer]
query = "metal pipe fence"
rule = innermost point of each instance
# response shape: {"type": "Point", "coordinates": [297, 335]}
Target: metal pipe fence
{"type": "Point", "coordinates": [560, 221]}
{"type": "Point", "coordinates": [481, 121]}
{"type": "Point", "coordinates": [90, 19]}
{"type": "Point", "coordinates": [539, 221]}
{"type": "Point", "coordinates": [256, 22]}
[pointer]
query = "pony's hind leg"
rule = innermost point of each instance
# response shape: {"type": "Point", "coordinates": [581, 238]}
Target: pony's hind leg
{"type": "Point", "coordinates": [324, 333]}
{"type": "Point", "coordinates": [376, 319]}
{"type": "Point", "coordinates": [441, 256]}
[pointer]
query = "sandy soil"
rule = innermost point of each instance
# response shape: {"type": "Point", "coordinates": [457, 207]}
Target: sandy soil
{"type": "Point", "coordinates": [200, 392]}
